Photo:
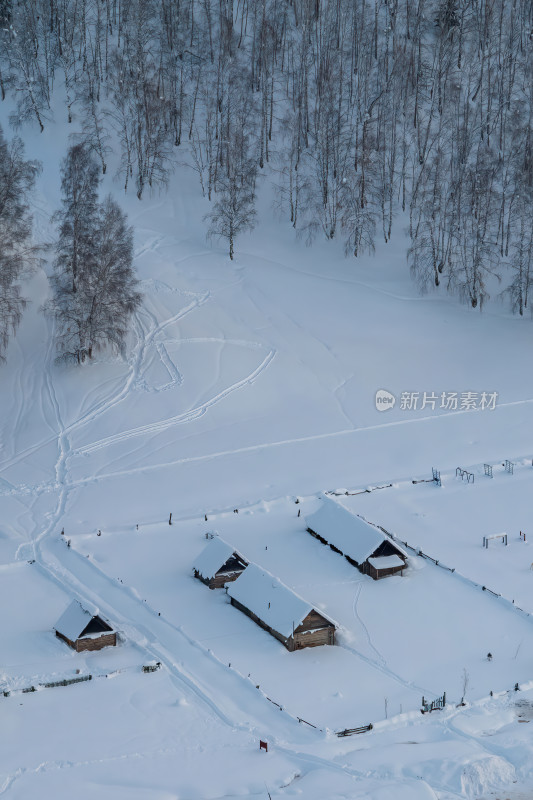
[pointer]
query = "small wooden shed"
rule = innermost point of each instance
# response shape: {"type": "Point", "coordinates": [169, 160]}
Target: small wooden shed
{"type": "Point", "coordinates": [218, 564]}
{"type": "Point", "coordinates": [381, 566]}
{"type": "Point", "coordinates": [83, 630]}
{"type": "Point", "coordinates": [364, 545]}
{"type": "Point", "coordinates": [278, 610]}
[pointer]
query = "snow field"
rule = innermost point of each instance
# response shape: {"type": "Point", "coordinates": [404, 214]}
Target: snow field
{"type": "Point", "coordinates": [31, 653]}
{"type": "Point", "coordinates": [247, 381]}
{"type": "Point", "coordinates": [124, 738]}
{"type": "Point", "coordinates": [449, 524]}
{"type": "Point", "coordinates": [399, 638]}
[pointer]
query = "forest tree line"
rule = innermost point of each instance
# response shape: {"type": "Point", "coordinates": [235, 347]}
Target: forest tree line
{"type": "Point", "coordinates": [355, 110]}
{"type": "Point", "coordinates": [94, 291]}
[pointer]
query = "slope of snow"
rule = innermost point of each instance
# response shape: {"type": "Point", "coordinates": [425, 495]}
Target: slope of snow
{"type": "Point", "coordinates": [246, 382]}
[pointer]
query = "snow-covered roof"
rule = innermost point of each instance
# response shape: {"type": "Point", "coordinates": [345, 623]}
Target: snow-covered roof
{"type": "Point", "coordinates": [386, 562]}
{"type": "Point", "coordinates": [269, 599]}
{"type": "Point", "coordinates": [74, 620]}
{"type": "Point", "coordinates": [213, 557]}
{"type": "Point", "coordinates": [351, 534]}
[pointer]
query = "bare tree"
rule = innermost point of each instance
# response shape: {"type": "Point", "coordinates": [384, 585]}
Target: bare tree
{"type": "Point", "coordinates": [17, 253]}
{"type": "Point", "coordinates": [111, 288]}
{"type": "Point", "coordinates": [77, 218]}
{"type": "Point", "coordinates": [354, 109]}
{"type": "Point", "coordinates": [521, 260]}
{"type": "Point", "coordinates": [96, 314]}
{"type": "Point", "coordinates": [233, 212]}
{"type": "Point", "coordinates": [31, 63]}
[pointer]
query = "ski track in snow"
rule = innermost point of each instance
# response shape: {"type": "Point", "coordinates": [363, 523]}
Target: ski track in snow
{"type": "Point", "coordinates": [357, 595]}
{"type": "Point", "coordinates": [179, 419]}
{"type": "Point", "coordinates": [105, 406]}
{"type": "Point", "coordinates": [18, 392]}
{"type": "Point", "coordinates": [378, 662]}
{"type": "Point", "coordinates": [307, 762]}
{"type": "Point", "coordinates": [271, 445]}
{"type": "Point", "coordinates": [487, 746]}
{"type": "Point", "coordinates": [135, 617]}
{"type": "Point", "coordinates": [174, 374]}
{"type": "Point", "coordinates": [144, 340]}
{"type": "Point", "coordinates": [158, 639]}
{"type": "Point", "coordinates": [425, 298]}
{"type": "Point", "coordinates": [22, 490]}
{"type": "Point", "coordinates": [135, 364]}
{"type": "Point", "coordinates": [155, 636]}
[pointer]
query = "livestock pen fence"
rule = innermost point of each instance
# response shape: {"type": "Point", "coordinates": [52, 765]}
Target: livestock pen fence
{"type": "Point", "coordinates": [7, 692]}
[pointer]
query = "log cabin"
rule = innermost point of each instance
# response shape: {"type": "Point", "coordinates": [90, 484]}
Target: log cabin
{"type": "Point", "coordinates": [218, 564]}
{"type": "Point", "coordinates": [279, 611]}
{"type": "Point", "coordinates": [364, 545]}
{"type": "Point", "coordinates": [83, 630]}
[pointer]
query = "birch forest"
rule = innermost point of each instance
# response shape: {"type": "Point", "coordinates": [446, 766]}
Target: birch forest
{"type": "Point", "coordinates": [361, 114]}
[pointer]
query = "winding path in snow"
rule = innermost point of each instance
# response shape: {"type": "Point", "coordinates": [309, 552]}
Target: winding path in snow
{"type": "Point", "coordinates": [178, 419]}
{"type": "Point", "coordinates": [224, 694]}
{"type": "Point", "coordinates": [238, 704]}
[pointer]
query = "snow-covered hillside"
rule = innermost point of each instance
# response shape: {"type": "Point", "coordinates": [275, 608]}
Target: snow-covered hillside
{"type": "Point", "coordinates": [247, 385]}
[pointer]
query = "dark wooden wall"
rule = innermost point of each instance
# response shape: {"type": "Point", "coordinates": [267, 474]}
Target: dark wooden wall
{"type": "Point", "coordinates": [220, 579]}
{"type": "Point", "coordinates": [106, 640]}
{"type": "Point", "coordinates": [317, 638]}
{"type": "Point", "coordinates": [323, 631]}
{"type": "Point", "coordinates": [96, 643]}
{"type": "Point", "coordinates": [382, 573]}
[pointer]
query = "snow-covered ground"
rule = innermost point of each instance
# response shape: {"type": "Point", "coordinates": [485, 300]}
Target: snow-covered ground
{"type": "Point", "coordinates": [450, 523]}
{"type": "Point", "coordinates": [247, 385]}
{"type": "Point", "coordinates": [398, 639]}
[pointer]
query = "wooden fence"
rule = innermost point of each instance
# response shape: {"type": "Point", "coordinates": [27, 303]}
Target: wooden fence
{"type": "Point", "coordinates": [433, 705]}
{"type": "Point", "coordinates": [354, 731]}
